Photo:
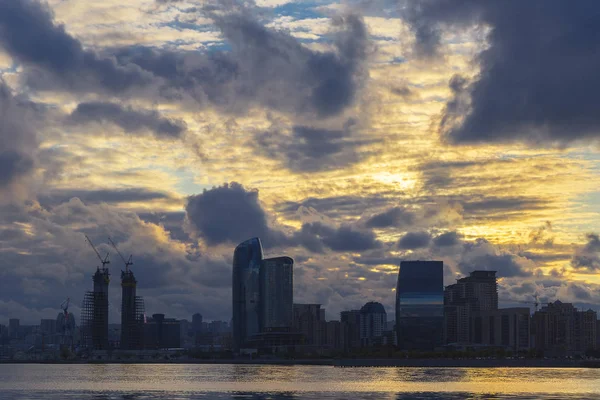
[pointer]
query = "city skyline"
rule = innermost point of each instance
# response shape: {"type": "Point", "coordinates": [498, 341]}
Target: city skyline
{"type": "Point", "coordinates": [349, 135]}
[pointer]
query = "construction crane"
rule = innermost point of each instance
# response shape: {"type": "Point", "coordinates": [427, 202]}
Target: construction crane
{"type": "Point", "coordinates": [536, 302]}
{"type": "Point", "coordinates": [127, 262]}
{"type": "Point", "coordinates": [104, 260]}
{"type": "Point", "coordinates": [65, 307]}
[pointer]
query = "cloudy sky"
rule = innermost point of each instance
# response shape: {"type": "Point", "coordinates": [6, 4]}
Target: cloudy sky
{"type": "Point", "coordinates": [349, 135]}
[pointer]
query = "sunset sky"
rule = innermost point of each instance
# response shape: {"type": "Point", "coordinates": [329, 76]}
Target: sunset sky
{"type": "Point", "coordinates": [348, 135]}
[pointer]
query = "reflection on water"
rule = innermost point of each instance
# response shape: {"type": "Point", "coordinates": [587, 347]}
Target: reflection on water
{"type": "Point", "coordinates": [249, 382]}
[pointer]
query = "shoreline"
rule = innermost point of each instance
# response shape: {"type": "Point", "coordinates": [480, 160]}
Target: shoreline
{"type": "Point", "coordinates": [354, 363]}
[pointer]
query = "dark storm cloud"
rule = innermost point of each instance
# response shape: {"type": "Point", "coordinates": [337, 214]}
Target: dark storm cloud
{"type": "Point", "coordinates": [230, 213]}
{"type": "Point", "coordinates": [131, 120]}
{"type": "Point", "coordinates": [29, 34]}
{"type": "Point", "coordinates": [265, 67]}
{"type": "Point", "coordinates": [396, 216]}
{"type": "Point", "coordinates": [130, 195]}
{"type": "Point", "coordinates": [538, 79]}
{"type": "Point", "coordinates": [588, 256]}
{"type": "Point", "coordinates": [482, 255]}
{"type": "Point", "coordinates": [414, 240]}
{"type": "Point", "coordinates": [315, 235]}
{"type": "Point", "coordinates": [18, 139]}
{"type": "Point", "coordinates": [309, 149]}
{"type": "Point", "coordinates": [447, 239]}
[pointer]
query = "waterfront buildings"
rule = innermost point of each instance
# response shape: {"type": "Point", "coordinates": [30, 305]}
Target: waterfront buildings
{"type": "Point", "coordinates": [420, 305]}
{"type": "Point", "coordinates": [13, 328]}
{"type": "Point", "coordinates": [162, 333]}
{"type": "Point", "coordinates": [309, 320]}
{"type": "Point", "coordinates": [351, 328]}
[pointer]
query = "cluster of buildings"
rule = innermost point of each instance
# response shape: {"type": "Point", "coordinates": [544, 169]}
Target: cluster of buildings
{"type": "Point", "coordinates": [429, 317]}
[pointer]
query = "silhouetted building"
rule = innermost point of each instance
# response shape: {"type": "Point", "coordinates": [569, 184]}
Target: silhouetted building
{"type": "Point", "coordinates": [94, 313]}
{"type": "Point", "coordinates": [373, 322]}
{"type": "Point", "coordinates": [351, 329]}
{"type": "Point", "coordinates": [309, 319]}
{"type": "Point", "coordinates": [162, 333]}
{"type": "Point", "coordinates": [335, 335]}
{"type": "Point", "coordinates": [197, 323]}
{"type": "Point", "coordinates": [477, 292]}
{"type": "Point", "coordinates": [13, 328]}
{"type": "Point", "coordinates": [559, 329]}
{"type": "Point", "coordinates": [420, 305]}
{"type": "Point", "coordinates": [132, 313]}
{"type": "Point", "coordinates": [48, 326]}
{"type": "Point", "coordinates": [277, 294]}
{"type": "Point", "coordinates": [505, 327]}
{"type": "Point", "coordinates": [247, 259]}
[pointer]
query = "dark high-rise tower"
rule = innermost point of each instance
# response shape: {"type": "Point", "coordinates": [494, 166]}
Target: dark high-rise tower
{"type": "Point", "coordinates": [94, 314]}
{"type": "Point", "coordinates": [277, 294]}
{"type": "Point", "coordinates": [247, 259]}
{"type": "Point", "coordinates": [420, 305]}
{"type": "Point", "coordinates": [132, 313]}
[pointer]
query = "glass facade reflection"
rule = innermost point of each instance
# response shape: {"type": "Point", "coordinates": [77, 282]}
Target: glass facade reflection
{"type": "Point", "coordinates": [246, 291]}
{"type": "Point", "coordinates": [420, 305]}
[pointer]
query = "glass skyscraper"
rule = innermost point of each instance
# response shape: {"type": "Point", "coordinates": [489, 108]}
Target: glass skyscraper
{"type": "Point", "coordinates": [247, 259]}
{"type": "Point", "coordinates": [420, 305]}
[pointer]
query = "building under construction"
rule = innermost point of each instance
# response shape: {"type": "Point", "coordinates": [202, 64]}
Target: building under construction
{"type": "Point", "coordinates": [132, 313]}
{"type": "Point", "coordinates": [94, 312]}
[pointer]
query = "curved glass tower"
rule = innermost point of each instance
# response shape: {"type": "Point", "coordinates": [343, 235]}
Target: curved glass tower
{"type": "Point", "coordinates": [247, 259]}
{"type": "Point", "coordinates": [420, 305]}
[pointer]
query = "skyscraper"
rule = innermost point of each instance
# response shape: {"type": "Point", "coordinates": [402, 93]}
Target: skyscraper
{"type": "Point", "coordinates": [94, 314]}
{"type": "Point", "coordinates": [247, 259]}
{"type": "Point", "coordinates": [473, 294]}
{"type": "Point", "coordinates": [420, 305]}
{"type": "Point", "coordinates": [277, 294]}
{"type": "Point", "coordinates": [132, 313]}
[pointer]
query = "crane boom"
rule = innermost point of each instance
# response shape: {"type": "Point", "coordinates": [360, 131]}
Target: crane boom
{"type": "Point", "coordinates": [104, 260]}
{"type": "Point", "coordinates": [126, 262]}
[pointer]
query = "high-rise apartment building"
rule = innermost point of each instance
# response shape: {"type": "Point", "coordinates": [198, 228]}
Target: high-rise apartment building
{"type": "Point", "coordinates": [373, 323]}
{"type": "Point", "coordinates": [476, 293]}
{"type": "Point", "coordinates": [420, 305]}
{"type": "Point", "coordinates": [197, 323]}
{"type": "Point", "coordinates": [309, 320]}
{"type": "Point", "coordinates": [247, 259]}
{"type": "Point", "coordinates": [277, 294]}
{"type": "Point", "coordinates": [351, 329]}
{"type": "Point", "coordinates": [505, 327]}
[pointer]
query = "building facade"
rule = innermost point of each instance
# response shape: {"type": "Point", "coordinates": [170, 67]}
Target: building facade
{"type": "Point", "coordinates": [476, 293]}
{"type": "Point", "coordinates": [506, 327]}
{"type": "Point", "coordinates": [373, 324]}
{"type": "Point", "coordinates": [420, 305]}
{"type": "Point", "coordinates": [277, 294]}
{"type": "Point", "coordinates": [309, 320]}
{"type": "Point", "coordinates": [162, 333]}
{"type": "Point", "coordinates": [247, 259]}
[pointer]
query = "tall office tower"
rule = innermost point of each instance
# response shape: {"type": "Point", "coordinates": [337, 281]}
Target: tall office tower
{"type": "Point", "coordinates": [277, 294]}
{"type": "Point", "coordinates": [473, 294]}
{"type": "Point", "coordinates": [373, 321]}
{"type": "Point", "coordinates": [132, 313]}
{"type": "Point", "coordinates": [247, 259]}
{"type": "Point", "coordinates": [197, 323]}
{"type": "Point", "coordinates": [420, 305]}
{"type": "Point", "coordinates": [94, 313]}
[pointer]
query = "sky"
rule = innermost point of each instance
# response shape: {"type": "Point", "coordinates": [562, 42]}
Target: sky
{"type": "Point", "coordinates": [349, 135]}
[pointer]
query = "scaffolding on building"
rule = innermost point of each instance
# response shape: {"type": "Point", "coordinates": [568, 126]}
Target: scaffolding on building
{"type": "Point", "coordinates": [94, 321]}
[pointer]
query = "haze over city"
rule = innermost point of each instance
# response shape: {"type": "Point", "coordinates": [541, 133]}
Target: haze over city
{"type": "Point", "coordinates": [347, 135]}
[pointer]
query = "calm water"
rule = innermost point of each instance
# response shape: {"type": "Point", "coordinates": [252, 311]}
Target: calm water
{"type": "Point", "coordinates": [139, 382]}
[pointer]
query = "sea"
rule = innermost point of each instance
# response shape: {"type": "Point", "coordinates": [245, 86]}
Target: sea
{"type": "Point", "coordinates": [208, 381]}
